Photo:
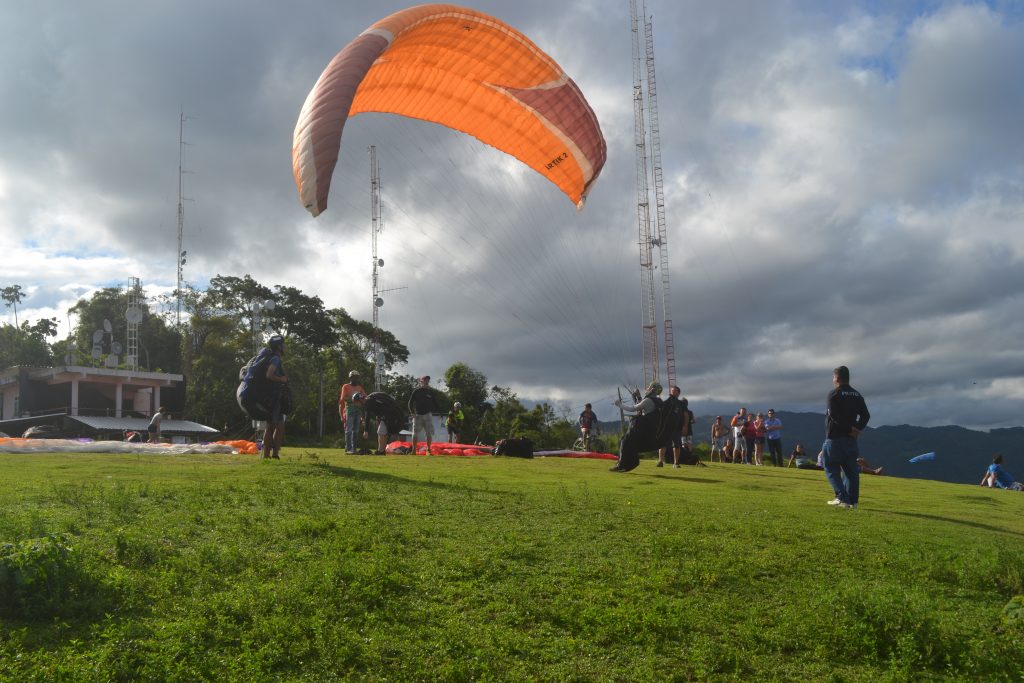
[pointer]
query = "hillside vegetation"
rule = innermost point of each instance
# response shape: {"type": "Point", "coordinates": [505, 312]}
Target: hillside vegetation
{"type": "Point", "coordinates": [325, 566]}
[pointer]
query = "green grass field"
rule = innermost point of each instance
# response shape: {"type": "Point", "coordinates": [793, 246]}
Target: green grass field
{"type": "Point", "coordinates": [324, 566]}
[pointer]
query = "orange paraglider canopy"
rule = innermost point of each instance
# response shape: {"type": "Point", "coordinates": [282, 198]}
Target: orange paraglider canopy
{"type": "Point", "coordinates": [462, 69]}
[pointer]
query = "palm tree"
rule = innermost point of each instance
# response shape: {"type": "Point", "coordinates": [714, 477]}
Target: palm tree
{"type": "Point", "coordinates": [12, 296]}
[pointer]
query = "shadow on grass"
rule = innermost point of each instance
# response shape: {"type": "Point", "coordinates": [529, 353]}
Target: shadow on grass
{"type": "Point", "coordinates": [963, 522]}
{"type": "Point", "coordinates": [677, 477]}
{"type": "Point", "coordinates": [352, 473]}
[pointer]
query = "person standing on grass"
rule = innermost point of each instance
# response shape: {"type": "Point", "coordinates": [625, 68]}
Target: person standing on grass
{"type": "Point", "coordinates": [354, 385]}
{"type": "Point", "coordinates": [719, 430]}
{"type": "Point", "coordinates": [453, 423]}
{"type": "Point", "coordinates": [155, 423]}
{"type": "Point", "coordinates": [846, 416]}
{"type": "Point", "coordinates": [676, 409]}
{"type": "Point", "coordinates": [274, 435]}
{"type": "Point", "coordinates": [749, 438]}
{"type": "Point", "coordinates": [422, 404]}
{"type": "Point", "coordinates": [587, 422]}
{"type": "Point", "coordinates": [355, 422]}
{"type": "Point", "coordinates": [382, 436]}
{"type": "Point", "coordinates": [773, 426]}
{"type": "Point", "coordinates": [739, 426]}
{"type": "Point", "coordinates": [759, 437]}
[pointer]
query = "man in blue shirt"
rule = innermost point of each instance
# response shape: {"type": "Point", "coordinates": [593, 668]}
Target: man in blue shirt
{"type": "Point", "coordinates": [997, 477]}
{"type": "Point", "coordinates": [846, 417]}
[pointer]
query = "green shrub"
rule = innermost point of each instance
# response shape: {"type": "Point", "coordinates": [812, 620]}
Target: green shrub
{"type": "Point", "coordinates": [40, 576]}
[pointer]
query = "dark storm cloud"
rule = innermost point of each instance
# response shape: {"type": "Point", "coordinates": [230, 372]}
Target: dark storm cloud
{"type": "Point", "coordinates": [844, 185]}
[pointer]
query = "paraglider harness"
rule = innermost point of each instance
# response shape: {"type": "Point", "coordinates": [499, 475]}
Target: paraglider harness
{"type": "Point", "coordinates": [647, 432]}
{"type": "Point", "coordinates": [255, 393]}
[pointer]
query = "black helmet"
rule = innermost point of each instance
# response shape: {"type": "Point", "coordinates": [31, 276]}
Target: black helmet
{"type": "Point", "coordinates": [358, 396]}
{"type": "Point", "coordinates": [276, 343]}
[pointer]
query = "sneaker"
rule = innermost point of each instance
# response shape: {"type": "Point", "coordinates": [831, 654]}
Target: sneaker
{"type": "Point", "coordinates": [615, 469]}
{"type": "Point", "coordinates": [660, 464]}
{"type": "Point", "coordinates": [675, 467]}
{"type": "Point", "coordinates": [847, 506]}
{"type": "Point", "coordinates": [836, 501]}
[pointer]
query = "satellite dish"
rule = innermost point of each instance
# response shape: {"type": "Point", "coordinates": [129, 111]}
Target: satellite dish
{"type": "Point", "coordinates": [133, 316]}
{"type": "Point", "coordinates": [380, 262]}
{"type": "Point", "coordinates": [115, 348]}
{"type": "Point", "coordinates": [378, 302]}
{"type": "Point", "coordinates": [111, 361]}
{"type": "Point", "coordinates": [97, 351]}
{"type": "Point", "coordinates": [268, 305]}
{"type": "Point", "coordinates": [107, 327]}
{"type": "Point", "coordinates": [97, 336]}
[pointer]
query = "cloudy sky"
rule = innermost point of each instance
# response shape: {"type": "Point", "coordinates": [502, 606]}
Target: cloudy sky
{"type": "Point", "coordinates": [844, 184]}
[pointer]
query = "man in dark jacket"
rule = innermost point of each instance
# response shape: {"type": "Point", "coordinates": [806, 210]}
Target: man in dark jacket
{"type": "Point", "coordinates": [422, 405]}
{"type": "Point", "coordinates": [846, 417]}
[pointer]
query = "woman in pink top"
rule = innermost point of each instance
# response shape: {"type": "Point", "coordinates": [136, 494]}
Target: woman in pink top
{"type": "Point", "coordinates": [760, 432]}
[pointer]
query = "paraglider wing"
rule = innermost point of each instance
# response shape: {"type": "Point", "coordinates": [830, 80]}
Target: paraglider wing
{"type": "Point", "coordinates": [923, 457]}
{"type": "Point", "coordinates": [462, 69]}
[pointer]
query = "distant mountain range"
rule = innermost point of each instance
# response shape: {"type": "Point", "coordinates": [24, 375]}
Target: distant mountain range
{"type": "Point", "coordinates": [961, 455]}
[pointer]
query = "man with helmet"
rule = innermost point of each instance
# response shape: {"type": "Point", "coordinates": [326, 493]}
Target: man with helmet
{"type": "Point", "coordinates": [355, 417]}
{"type": "Point", "coordinates": [453, 423]}
{"type": "Point", "coordinates": [353, 385]}
{"type": "Point", "coordinates": [629, 456]}
{"type": "Point", "coordinates": [278, 379]}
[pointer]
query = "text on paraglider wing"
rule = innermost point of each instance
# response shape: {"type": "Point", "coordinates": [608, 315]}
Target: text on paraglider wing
{"type": "Point", "coordinates": [557, 160]}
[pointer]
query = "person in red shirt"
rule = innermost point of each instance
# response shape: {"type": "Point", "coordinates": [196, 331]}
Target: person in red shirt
{"type": "Point", "coordinates": [354, 385]}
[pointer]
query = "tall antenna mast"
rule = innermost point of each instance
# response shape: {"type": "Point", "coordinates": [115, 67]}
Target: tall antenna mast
{"type": "Point", "coordinates": [648, 323]}
{"type": "Point", "coordinates": [180, 258]}
{"type": "Point", "coordinates": [659, 199]}
{"type": "Point", "coordinates": [376, 226]}
{"type": "Point", "coordinates": [133, 316]}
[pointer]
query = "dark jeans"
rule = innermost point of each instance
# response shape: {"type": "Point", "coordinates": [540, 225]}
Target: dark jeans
{"type": "Point", "coordinates": [775, 451]}
{"type": "Point", "coordinates": [841, 468]}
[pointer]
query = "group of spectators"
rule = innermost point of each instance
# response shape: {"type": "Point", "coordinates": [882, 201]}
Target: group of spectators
{"type": "Point", "coordinates": [422, 405]}
{"type": "Point", "coordinates": [744, 438]}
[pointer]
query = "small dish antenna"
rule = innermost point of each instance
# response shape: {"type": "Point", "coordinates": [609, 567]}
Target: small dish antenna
{"type": "Point", "coordinates": [97, 351]}
{"type": "Point", "coordinates": [97, 336]}
{"type": "Point", "coordinates": [133, 316]}
{"type": "Point", "coordinates": [107, 327]}
{"type": "Point", "coordinates": [116, 348]}
{"type": "Point", "coordinates": [268, 305]}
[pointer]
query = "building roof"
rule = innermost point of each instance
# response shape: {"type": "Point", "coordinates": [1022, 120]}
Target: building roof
{"type": "Point", "coordinates": [139, 424]}
{"type": "Point", "coordinates": [18, 425]}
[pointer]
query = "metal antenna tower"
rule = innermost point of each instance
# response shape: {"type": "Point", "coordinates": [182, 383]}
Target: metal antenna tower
{"type": "Point", "coordinates": [659, 199]}
{"type": "Point", "coordinates": [133, 316]}
{"type": "Point", "coordinates": [649, 323]}
{"type": "Point", "coordinates": [180, 258]}
{"type": "Point", "coordinates": [376, 226]}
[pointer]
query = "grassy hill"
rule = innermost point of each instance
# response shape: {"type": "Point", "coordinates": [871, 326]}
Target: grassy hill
{"type": "Point", "coordinates": [324, 566]}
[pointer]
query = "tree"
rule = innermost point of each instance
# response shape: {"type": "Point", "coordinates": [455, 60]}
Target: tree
{"type": "Point", "coordinates": [159, 345]}
{"type": "Point", "coordinates": [26, 345]}
{"type": "Point", "coordinates": [12, 297]}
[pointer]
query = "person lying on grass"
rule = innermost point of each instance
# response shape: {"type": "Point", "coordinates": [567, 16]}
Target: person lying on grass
{"type": "Point", "coordinates": [997, 477]}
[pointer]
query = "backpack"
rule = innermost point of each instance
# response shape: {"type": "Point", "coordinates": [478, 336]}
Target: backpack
{"type": "Point", "coordinates": [255, 395]}
{"type": "Point", "coordinates": [517, 447]}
